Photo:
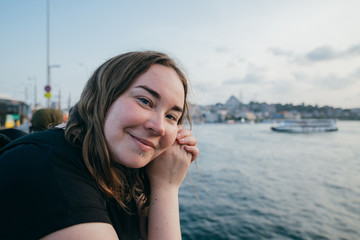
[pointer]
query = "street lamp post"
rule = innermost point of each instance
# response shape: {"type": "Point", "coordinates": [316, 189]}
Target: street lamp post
{"type": "Point", "coordinates": [48, 86]}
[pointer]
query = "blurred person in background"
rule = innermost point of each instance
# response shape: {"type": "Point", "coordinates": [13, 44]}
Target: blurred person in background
{"type": "Point", "coordinates": [44, 119]}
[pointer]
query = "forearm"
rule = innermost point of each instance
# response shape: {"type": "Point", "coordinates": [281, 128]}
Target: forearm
{"type": "Point", "coordinates": [164, 220]}
{"type": "Point", "coordinates": [166, 173]}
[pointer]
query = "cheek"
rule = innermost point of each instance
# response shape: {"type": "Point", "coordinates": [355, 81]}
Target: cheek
{"type": "Point", "coordinates": [170, 137]}
{"type": "Point", "coordinates": [109, 127]}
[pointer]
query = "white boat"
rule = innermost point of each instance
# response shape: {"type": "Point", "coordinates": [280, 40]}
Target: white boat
{"type": "Point", "coordinates": [306, 126]}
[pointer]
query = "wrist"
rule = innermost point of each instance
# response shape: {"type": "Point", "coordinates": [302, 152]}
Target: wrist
{"type": "Point", "coordinates": [161, 188]}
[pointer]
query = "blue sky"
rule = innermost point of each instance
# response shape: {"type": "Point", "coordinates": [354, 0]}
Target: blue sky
{"type": "Point", "coordinates": [268, 51]}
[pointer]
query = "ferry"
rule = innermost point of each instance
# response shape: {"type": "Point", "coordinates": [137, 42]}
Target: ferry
{"type": "Point", "coordinates": [306, 126]}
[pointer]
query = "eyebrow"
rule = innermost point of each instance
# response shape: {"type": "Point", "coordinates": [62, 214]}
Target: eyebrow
{"type": "Point", "coordinates": [157, 96]}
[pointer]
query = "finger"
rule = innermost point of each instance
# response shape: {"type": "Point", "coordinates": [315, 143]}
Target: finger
{"type": "Point", "coordinates": [192, 141]}
{"type": "Point", "coordinates": [188, 154]}
{"type": "Point", "coordinates": [180, 127]}
{"type": "Point", "coordinates": [183, 133]}
{"type": "Point", "coordinates": [193, 150]}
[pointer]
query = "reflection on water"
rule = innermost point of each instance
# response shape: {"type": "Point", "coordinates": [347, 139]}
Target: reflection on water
{"type": "Point", "coordinates": [253, 183]}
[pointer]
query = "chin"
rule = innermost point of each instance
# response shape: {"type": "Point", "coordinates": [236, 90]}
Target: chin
{"type": "Point", "coordinates": [136, 163]}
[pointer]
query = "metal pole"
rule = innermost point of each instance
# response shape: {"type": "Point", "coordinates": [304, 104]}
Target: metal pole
{"type": "Point", "coordinates": [26, 95]}
{"type": "Point", "coordinates": [48, 48]}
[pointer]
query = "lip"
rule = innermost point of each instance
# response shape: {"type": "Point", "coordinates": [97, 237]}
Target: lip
{"type": "Point", "coordinates": [143, 143]}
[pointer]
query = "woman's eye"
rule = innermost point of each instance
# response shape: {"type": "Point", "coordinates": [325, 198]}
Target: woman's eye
{"type": "Point", "coordinates": [145, 101]}
{"type": "Point", "coordinates": [171, 117]}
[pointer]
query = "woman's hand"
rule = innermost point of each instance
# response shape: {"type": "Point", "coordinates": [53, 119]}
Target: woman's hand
{"type": "Point", "coordinates": [169, 169]}
{"type": "Point", "coordinates": [184, 137]}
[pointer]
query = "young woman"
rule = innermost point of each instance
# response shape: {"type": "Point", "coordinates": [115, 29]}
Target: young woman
{"type": "Point", "coordinates": [115, 170]}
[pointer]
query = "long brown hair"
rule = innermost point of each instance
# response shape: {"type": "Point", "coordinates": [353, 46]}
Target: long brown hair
{"type": "Point", "coordinates": [86, 122]}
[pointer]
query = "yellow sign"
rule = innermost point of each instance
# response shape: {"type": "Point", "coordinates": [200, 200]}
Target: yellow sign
{"type": "Point", "coordinates": [47, 95]}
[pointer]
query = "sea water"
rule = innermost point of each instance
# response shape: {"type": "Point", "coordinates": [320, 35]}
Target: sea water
{"type": "Point", "coordinates": [252, 183]}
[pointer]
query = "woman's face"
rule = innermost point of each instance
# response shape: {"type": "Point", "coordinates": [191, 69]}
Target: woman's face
{"type": "Point", "coordinates": [142, 123]}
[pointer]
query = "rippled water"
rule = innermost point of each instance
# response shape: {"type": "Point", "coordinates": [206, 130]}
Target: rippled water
{"type": "Point", "coordinates": [253, 183]}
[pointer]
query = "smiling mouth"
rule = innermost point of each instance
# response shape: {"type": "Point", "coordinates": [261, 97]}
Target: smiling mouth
{"type": "Point", "coordinates": [143, 144]}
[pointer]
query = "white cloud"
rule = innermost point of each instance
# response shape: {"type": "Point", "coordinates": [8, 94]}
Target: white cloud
{"type": "Point", "coordinates": [321, 53]}
{"type": "Point", "coordinates": [280, 52]}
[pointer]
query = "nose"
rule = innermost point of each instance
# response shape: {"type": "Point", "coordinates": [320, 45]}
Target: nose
{"type": "Point", "coordinates": [156, 124]}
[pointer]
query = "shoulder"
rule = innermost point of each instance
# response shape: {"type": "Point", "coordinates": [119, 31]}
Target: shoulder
{"type": "Point", "coordinates": [26, 157]}
{"type": "Point", "coordinates": [9, 134]}
{"type": "Point", "coordinates": [45, 186]}
{"type": "Point", "coordinates": [35, 154]}
{"type": "Point", "coordinates": [38, 147]}
{"type": "Point", "coordinates": [51, 137]}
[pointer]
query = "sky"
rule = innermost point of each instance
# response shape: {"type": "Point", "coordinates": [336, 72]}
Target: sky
{"type": "Point", "coordinates": [266, 51]}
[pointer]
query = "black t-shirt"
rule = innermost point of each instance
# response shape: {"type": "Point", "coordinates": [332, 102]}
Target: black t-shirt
{"type": "Point", "coordinates": [45, 186]}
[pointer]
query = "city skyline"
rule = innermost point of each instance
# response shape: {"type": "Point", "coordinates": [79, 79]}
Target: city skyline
{"type": "Point", "coordinates": [275, 52]}
{"type": "Point", "coordinates": [272, 103]}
